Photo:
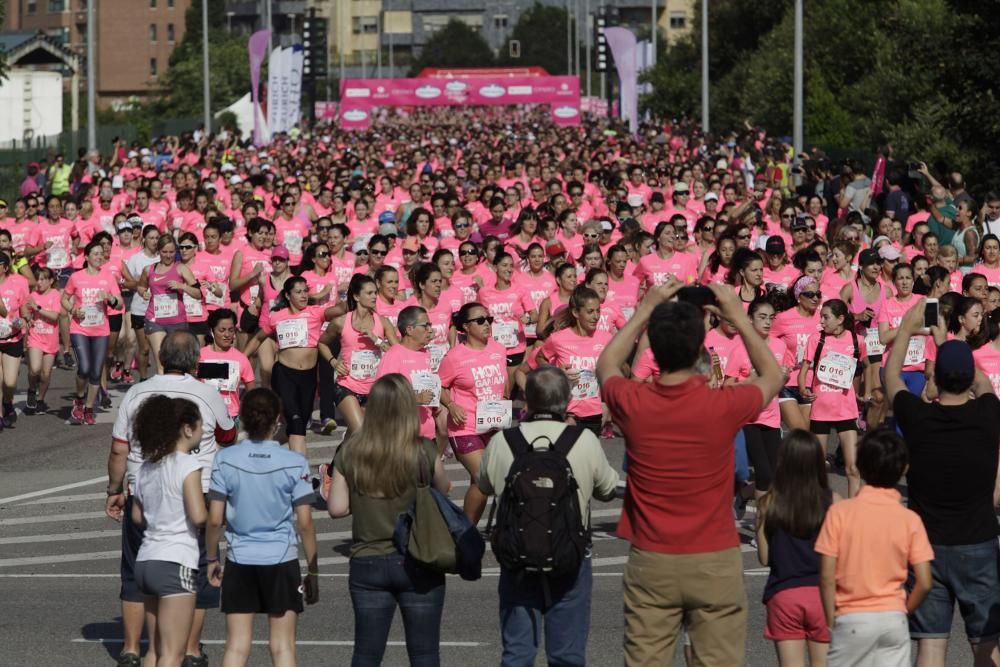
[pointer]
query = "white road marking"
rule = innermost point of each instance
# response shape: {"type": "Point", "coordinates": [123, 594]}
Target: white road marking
{"type": "Point", "coordinates": [62, 537]}
{"type": "Point", "coordinates": [52, 518]}
{"type": "Point", "coordinates": [100, 495]}
{"type": "Point", "coordinates": [54, 489]}
{"type": "Point", "coordinates": [65, 558]}
{"type": "Point", "coordinates": [300, 642]}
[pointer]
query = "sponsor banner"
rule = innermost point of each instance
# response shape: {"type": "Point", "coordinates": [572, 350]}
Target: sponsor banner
{"type": "Point", "coordinates": [325, 110]}
{"type": "Point", "coordinates": [561, 93]}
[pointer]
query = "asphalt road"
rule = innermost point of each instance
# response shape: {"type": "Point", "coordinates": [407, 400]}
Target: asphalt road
{"type": "Point", "coordinates": [59, 564]}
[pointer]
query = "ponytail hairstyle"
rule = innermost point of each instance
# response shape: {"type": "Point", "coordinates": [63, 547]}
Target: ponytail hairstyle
{"type": "Point", "coordinates": [840, 309]}
{"type": "Point", "coordinates": [420, 274]}
{"type": "Point", "coordinates": [741, 260]}
{"type": "Point", "coordinates": [962, 306]}
{"type": "Point", "coordinates": [358, 282]}
{"type": "Point", "coordinates": [565, 317]}
{"type": "Point", "coordinates": [563, 268]}
{"type": "Point", "coordinates": [158, 423]}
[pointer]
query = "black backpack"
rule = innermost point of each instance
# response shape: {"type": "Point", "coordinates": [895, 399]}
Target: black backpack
{"type": "Point", "coordinates": [538, 524]}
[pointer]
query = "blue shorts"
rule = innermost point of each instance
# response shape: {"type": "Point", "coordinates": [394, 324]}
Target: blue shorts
{"type": "Point", "coordinates": [970, 575]}
{"type": "Point", "coordinates": [742, 461]}
{"type": "Point", "coordinates": [791, 393]}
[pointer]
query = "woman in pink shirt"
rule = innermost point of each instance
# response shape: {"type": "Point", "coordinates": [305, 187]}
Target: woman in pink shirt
{"type": "Point", "coordinates": [296, 330]}
{"type": "Point", "coordinates": [194, 307]}
{"type": "Point", "coordinates": [716, 265]}
{"type": "Point", "coordinates": [654, 268]}
{"type": "Point", "coordinates": [221, 350]}
{"type": "Point", "coordinates": [475, 386]}
{"type": "Point", "coordinates": [763, 435]}
{"type": "Point", "coordinates": [420, 225]}
{"type": "Point", "coordinates": [888, 326]}
{"type": "Point", "coordinates": [427, 288]}
{"type": "Point", "coordinates": [566, 282]}
{"type": "Point", "coordinates": [574, 345]}
{"type": "Point", "coordinates": [522, 233]}
{"type": "Point", "coordinates": [747, 275]}
{"type": "Point", "coordinates": [342, 262]}
{"type": "Point", "coordinates": [793, 327]}
{"type": "Point", "coordinates": [611, 319]}
{"type": "Point", "coordinates": [88, 296]}
{"type": "Point", "coordinates": [537, 283]}
{"type": "Point", "coordinates": [989, 260]}
{"type": "Point", "coordinates": [317, 271]}
{"type": "Point", "coordinates": [388, 302]}
{"type": "Point", "coordinates": [510, 308]}
{"type": "Point", "coordinates": [444, 260]}
{"type": "Point", "coordinates": [987, 357]}
{"type": "Point", "coordinates": [44, 306]}
{"type": "Point", "coordinates": [840, 273]}
{"type": "Point", "coordinates": [623, 289]}
{"type": "Point", "coordinates": [471, 276]}
{"type": "Point", "coordinates": [836, 355]}
{"type": "Point", "coordinates": [964, 323]}
{"type": "Point", "coordinates": [249, 262]}
{"type": "Point", "coordinates": [163, 284]}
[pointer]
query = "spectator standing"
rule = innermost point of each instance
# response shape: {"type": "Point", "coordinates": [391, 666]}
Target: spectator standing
{"type": "Point", "coordinates": [529, 599]}
{"type": "Point", "coordinates": [953, 469]}
{"type": "Point", "coordinates": [679, 436]}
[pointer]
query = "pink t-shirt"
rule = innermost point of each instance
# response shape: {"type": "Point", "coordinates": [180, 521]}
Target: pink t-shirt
{"type": "Point", "coordinates": [832, 284]}
{"type": "Point", "coordinates": [301, 329]}
{"type": "Point", "coordinates": [721, 345]}
{"type": "Point", "coordinates": [833, 402]}
{"type": "Point", "coordinates": [390, 311]}
{"type": "Point", "coordinates": [240, 371]}
{"type": "Point", "coordinates": [992, 275]}
{"type": "Point", "coordinates": [317, 283]}
{"type": "Point", "coordinates": [85, 290]}
{"type": "Point", "coordinates": [342, 269]}
{"type": "Point", "coordinates": [214, 269]}
{"type": "Point", "coordinates": [892, 314]}
{"type": "Point", "coordinates": [43, 334]}
{"type": "Point", "coordinates": [624, 294]}
{"type": "Point", "coordinates": [782, 278]}
{"type": "Point", "coordinates": [567, 348]}
{"type": "Point", "coordinates": [653, 270]}
{"type": "Point", "coordinates": [411, 364]}
{"type": "Point", "coordinates": [645, 366]}
{"type": "Point", "coordinates": [739, 367]}
{"type": "Point", "coordinates": [472, 376]}
{"type": "Point", "coordinates": [507, 307]}
{"type": "Point", "coordinates": [14, 292]}
{"type": "Point", "coordinates": [60, 235]}
{"type": "Point", "coordinates": [535, 287]}
{"type": "Point", "coordinates": [794, 330]}
{"type": "Point", "coordinates": [21, 234]}
{"type": "Point", "coordinates": [987, 360]}
{"type": "Point", "coordinates": [611, 320]}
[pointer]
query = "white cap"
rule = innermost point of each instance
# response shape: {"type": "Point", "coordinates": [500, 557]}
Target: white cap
{"type": "Point", "coordinates": [145, 151]}
{"type": "Point", "coordinates": [132, 154]}
{"type": "Point", "coordinates": [634, 200]}
{"type": "Point", "coordinates": [229, 166]}
{"type": "Point", "coordinates": [233, 180]}
{"type": "Point", "coordinates": [681, 187]}
{"type": "Point", "coordinates": [711, 196]}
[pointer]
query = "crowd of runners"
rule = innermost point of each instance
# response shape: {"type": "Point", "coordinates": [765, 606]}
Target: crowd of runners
{"type": "Point", "coordinates": [463, 251]}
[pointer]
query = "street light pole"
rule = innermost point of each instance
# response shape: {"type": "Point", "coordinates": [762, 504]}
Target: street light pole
{"type": "Point", "coordinates": [569, 40]}
{"type": "Point", "coordinates": [797, 97]}
{"type": "Point", "coordinates": [590, 32]}
{"type": "Point", "coordinates": [91, 80]}
{"type": "Point", "coordinates": [206, 89]}
{"type": "Point", "coordinates": [704, 67]}
{"type": "Point", "coordinates": [653, 31]}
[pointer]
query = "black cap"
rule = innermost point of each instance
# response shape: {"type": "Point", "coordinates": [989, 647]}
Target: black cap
{"type": "Point", "coordinates": [775, 245]}
{"type": "Point", "coordinates": [868, 257]}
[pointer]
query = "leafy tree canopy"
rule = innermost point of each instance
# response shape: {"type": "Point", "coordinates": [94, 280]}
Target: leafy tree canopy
{"type": "Point", "coordinates": [455, 45]}
{"type": "Point", "coordinates": [541, 32]}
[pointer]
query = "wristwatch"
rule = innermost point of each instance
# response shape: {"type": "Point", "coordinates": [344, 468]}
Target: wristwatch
{"type": "Point", "coordinates": [110, 492]}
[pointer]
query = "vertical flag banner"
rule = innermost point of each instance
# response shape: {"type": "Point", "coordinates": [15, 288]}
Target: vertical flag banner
{"type": "Point", "coordinates": [623, 47]}
{"type": "Point", "coordinates": [257, 49]}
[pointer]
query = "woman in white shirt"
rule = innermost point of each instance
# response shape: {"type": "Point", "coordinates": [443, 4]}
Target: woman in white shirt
{"type": "Point", "coordinates": [168, 499]}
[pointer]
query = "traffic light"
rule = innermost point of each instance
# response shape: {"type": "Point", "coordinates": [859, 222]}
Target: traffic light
{"type": "Point", "coordinates": [314, 47]}
{"type": "Point", "coordinates": [601, 45]}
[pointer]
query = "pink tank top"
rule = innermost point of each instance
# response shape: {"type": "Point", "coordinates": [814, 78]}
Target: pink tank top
{"type": "Point", "coordinates": [858, 303]}
{"type": "Point", "coordinates": [360, 355]}
{"type": "Point", "coordinates": [270, 298]}
{"type": "Point", "coordinates": [165, 304]}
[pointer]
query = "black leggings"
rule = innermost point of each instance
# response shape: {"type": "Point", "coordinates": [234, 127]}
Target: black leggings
{"type": "Point", "coordinates": [763, 443]}
{"type": "Point", "coordinates": [297, 390]}
{"type": "Point", "coordinates": [327, 385]}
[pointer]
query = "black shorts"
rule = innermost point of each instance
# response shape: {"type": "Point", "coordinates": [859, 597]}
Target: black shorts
{"type": "Point", "coordinates": [590, 422]}
{"type": "Point", "coordinates": [138, 322]}
{"type": "Point", "coordinates": [827, 427]}
{"type": "Point", "coordinates": [297, 390]}
{"type": "Point", "coordinates": [262, 589]}
{"type": "Point", "coordinates": [115, 323]}
{"type": "Point", "coordinates": [12, 348]}
{"type": "Point", "coordinates": [515, 359]}
{"type": "Point", "coordinates": [340, 393]}
{"type": "Point", "coordinates": [875, 360]}
{"type": "Point", "coordinates": [198, 328]}
{"type": "Point", "coordinates": [249, 323]}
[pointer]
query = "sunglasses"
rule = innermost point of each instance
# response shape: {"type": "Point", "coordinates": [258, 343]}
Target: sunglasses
{"type": "Point", "coordinates": [423, 324]}
{"type": "Point", "coordinates": [325, 228]}
{"type": "Point", "coordinates": [743, 237]}
{"type": "Point", "coordinates": [460, 225]}
{"type": "Point", "coordinates": [187, 247]}
{"type": "Point", "coordinates": [289, 203]}
{"type": "Point", "coordinates": [409, 252]}
{"type": "Point", "coordinates": [591, 235]}
{"type": "Point", "coordinates": [787, 215]}
{"type": "Point", "coordinates": [468, 253]}
{"type": "Point", "coordinates": [811, 295]}
{"type": "Point", "coordinates": [708, 229]}
{"type": "Point", "coordinates": [480, 320]}
{"type": "Point", "coordinates": [325, 254]}
{"type": "Point", "coordinates": [379, 253]}
{"type": "Point", "coordinates": [360, 252]}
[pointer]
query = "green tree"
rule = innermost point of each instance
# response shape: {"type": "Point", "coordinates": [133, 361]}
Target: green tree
{"type": "Point", "coordinates": [454, 45]}
{"type": "Point", "coordinates": [3, 57]}
{"type": "Point", "coordinates": [542, 33]}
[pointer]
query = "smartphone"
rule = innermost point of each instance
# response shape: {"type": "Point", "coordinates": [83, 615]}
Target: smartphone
{"type": "Point", "coordinates": [213, 370]}
{"type": "Point", "coordinates": [913, 170]}
{"type": "Point", "coordinates": [930, 313]}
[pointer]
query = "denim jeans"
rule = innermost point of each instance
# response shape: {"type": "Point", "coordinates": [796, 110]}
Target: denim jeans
{"type": "Point", "coordinates": [566, 619]}
{"type": "Point", "coordinates": [378, 584]}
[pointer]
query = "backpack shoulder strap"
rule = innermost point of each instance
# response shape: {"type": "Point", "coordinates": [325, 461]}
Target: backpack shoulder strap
{"type": "Point", "coordinates": [516, 441]}
{"type": "Point", "coordinates": [857, 349]}
{"type": "Point", "coordinates": [567, 439]}
{"type": "Point", "coordinates": [819, 348]}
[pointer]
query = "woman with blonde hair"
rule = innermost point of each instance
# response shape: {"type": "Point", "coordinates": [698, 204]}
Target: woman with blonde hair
{"type": "Point", "coordinates": [376, 474]}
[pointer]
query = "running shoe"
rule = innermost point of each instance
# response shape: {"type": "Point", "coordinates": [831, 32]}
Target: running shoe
{"type": "Point", "coordinates": [129, 660]}
{"type": "Point", "coordinates": [9, 415]}
{"type": "Point", "coordinates": [76, 414]}
{"type": "Point", "coordinates": [104, 398]}
{"type": "Point", "coordinates": [116, 372]}
{"type": "Point", "coordinates": [326, 480]}
{"type": "Point", "coordinates": [739, 507]}
{"type": "Point", "coordinates": [196, 660]}
{"type": "Point", "coordinates": [608, 432]}
{"type": "Point", "coordinates": [88, 417]}
{"type": "Point", "coordinates": [68, 361]}
{"type": "Point", "coordinates": [32, 402]}
{"type": "Point", "coordinates": [127, 376]}
{"type": "Point", "coordinates": [329, 426]}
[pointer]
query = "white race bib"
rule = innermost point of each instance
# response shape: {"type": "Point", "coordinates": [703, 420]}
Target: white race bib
{"type": "Point", "coordinates": [872, 342]}
{"type": "Point", "coordinates": [427, 381]}
{"type": "Point", "coordinates": [437, 352]}
{"type": "Point", "coordinates": [628, 313]}
{"type": "Point", "coordinates": [165, 305]}
{"type": "Point", "coordinates": [93, 316]}
{"type": "Point", "coordinates": [915, 351]}
{"type": "Point", "coordinates": [837, 370]}
{"type": "Point", "coordinates": [232, 381]}
{"type": "Point", "coordinates": [531, 330]}
{"type": "Point", "coordinates": [6, 328]}
{"type": "Point", "coordinates": [505, 333]}
{"type": "Point", "coordinates": [192, 306]}
{"type": "Point", "coordinates": [210, 297]}
{"type": "Point", "coordinates": [58, 257]}
{"type": "Point", "coordinates": [254, 291]}
{"type": "Point", "coordinates": [364, 364]}
{"type": "Point", "coordinates": [493, 415]}
{"type": "Point", "coordinates": [293, 241]}
{"type": "Point", "coordinates": [586, 386]}
{"type": "Point", "coordinates": [292, 333]}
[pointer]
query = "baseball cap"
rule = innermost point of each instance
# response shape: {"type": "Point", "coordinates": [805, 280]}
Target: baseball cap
{"type": "Point", "coordinates": [955, 363]}
{"type": "Point", "coordinates": [888, 252]}
{"type": "Point", "coordinates": [607, 226]}
{"type": "Point", "coordinates": [681, 188]}
{"type": "Point", "coordinates": [554, 248]}
{"type": "Point", "coordinates": [387, 229]}
{"type": "Point", "coordinates": [280, 252]}
{"type": "Point", "coordinates": [124, 226]}
{"type": "Point", "coordinates": [361, 244]}
{"type": "Point", "coordinates": [635, 200]}
{"type": "Point", "coordinates": [412, 243]}
{"type": "Point", "coordinates": [775, 245]}
{"type": "Point", "coordinates": [868, 257]}
{"type": "Point", "coordinates": [386, 217]}
{"type": "Point", "coordinates": [798, 224]}
{"type": "Point", "coordinates": [3, 202]}
{"type": "Point", "coordinates": [711, 196]}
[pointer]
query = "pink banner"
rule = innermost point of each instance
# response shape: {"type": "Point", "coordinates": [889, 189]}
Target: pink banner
{"type": "Point", "coordinates": [623, 47]}
{"type": "Point", "coordinates": [257, 48]}
{"type": "Point", "coordinates": [358, 96]}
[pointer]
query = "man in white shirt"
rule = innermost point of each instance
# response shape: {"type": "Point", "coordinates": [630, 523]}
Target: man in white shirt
{"type": "Point", "coordinates": [179, 358]}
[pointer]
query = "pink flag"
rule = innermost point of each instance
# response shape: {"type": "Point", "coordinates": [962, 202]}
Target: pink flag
{"type": "Point", "coordinates": [257, 47]}
{"type": "Point", "coordinates": [878, 176]}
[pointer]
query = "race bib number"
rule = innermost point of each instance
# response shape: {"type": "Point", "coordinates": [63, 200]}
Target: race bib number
{"type": "Point", "coordinates": [254, 291]}
{"type": "Point", "coordinates": [6, 328]}
{"type": "Point", "coordinates": [493, 415]}
{"type": "Point", "coordinates": [872, 342]}
{"type": "Point", "coordinates": [364, 364]}
{"type": "Point", "coordinates": [837, 370]}
{"type": "Point", "coordinates": [293, 241]}
{"type": "Point", "coordinates": [531, 330]}
{"type": "Point", "coordinates": [427, 381]}
{"type": "Point", "coordinates": [164, 305]}
{"type": "Point", "coordinates": [915, 351]}
{"type": "Point", "coordinates": [586, 386]}
{"type": "Point", "coordinates": [437, 353]}
{"type": "Point", "coordinates": [93, 316]}
{"type": "Point", "coordinates": [192, 306]}
{"type": "Point", "coordinates": [58, 257]}
{"type": "Point", "coordinates": [210, 297]}
{"type": "Point", "coordinates": [505, 333]}
{"type": "Point", "coordinates": [292, 333]}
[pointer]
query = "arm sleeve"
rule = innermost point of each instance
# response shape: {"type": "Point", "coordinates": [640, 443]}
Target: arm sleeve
{"type": "Point", "coordinates": [121, 430]}
{"type": "Point", "coordinates": [919, 547]}
{"type": "Point", "coordinates": [246, 370]}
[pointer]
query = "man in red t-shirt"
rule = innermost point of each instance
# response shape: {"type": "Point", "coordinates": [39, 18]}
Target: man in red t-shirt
{"type": "Point", "coordinates": [685, 559]}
